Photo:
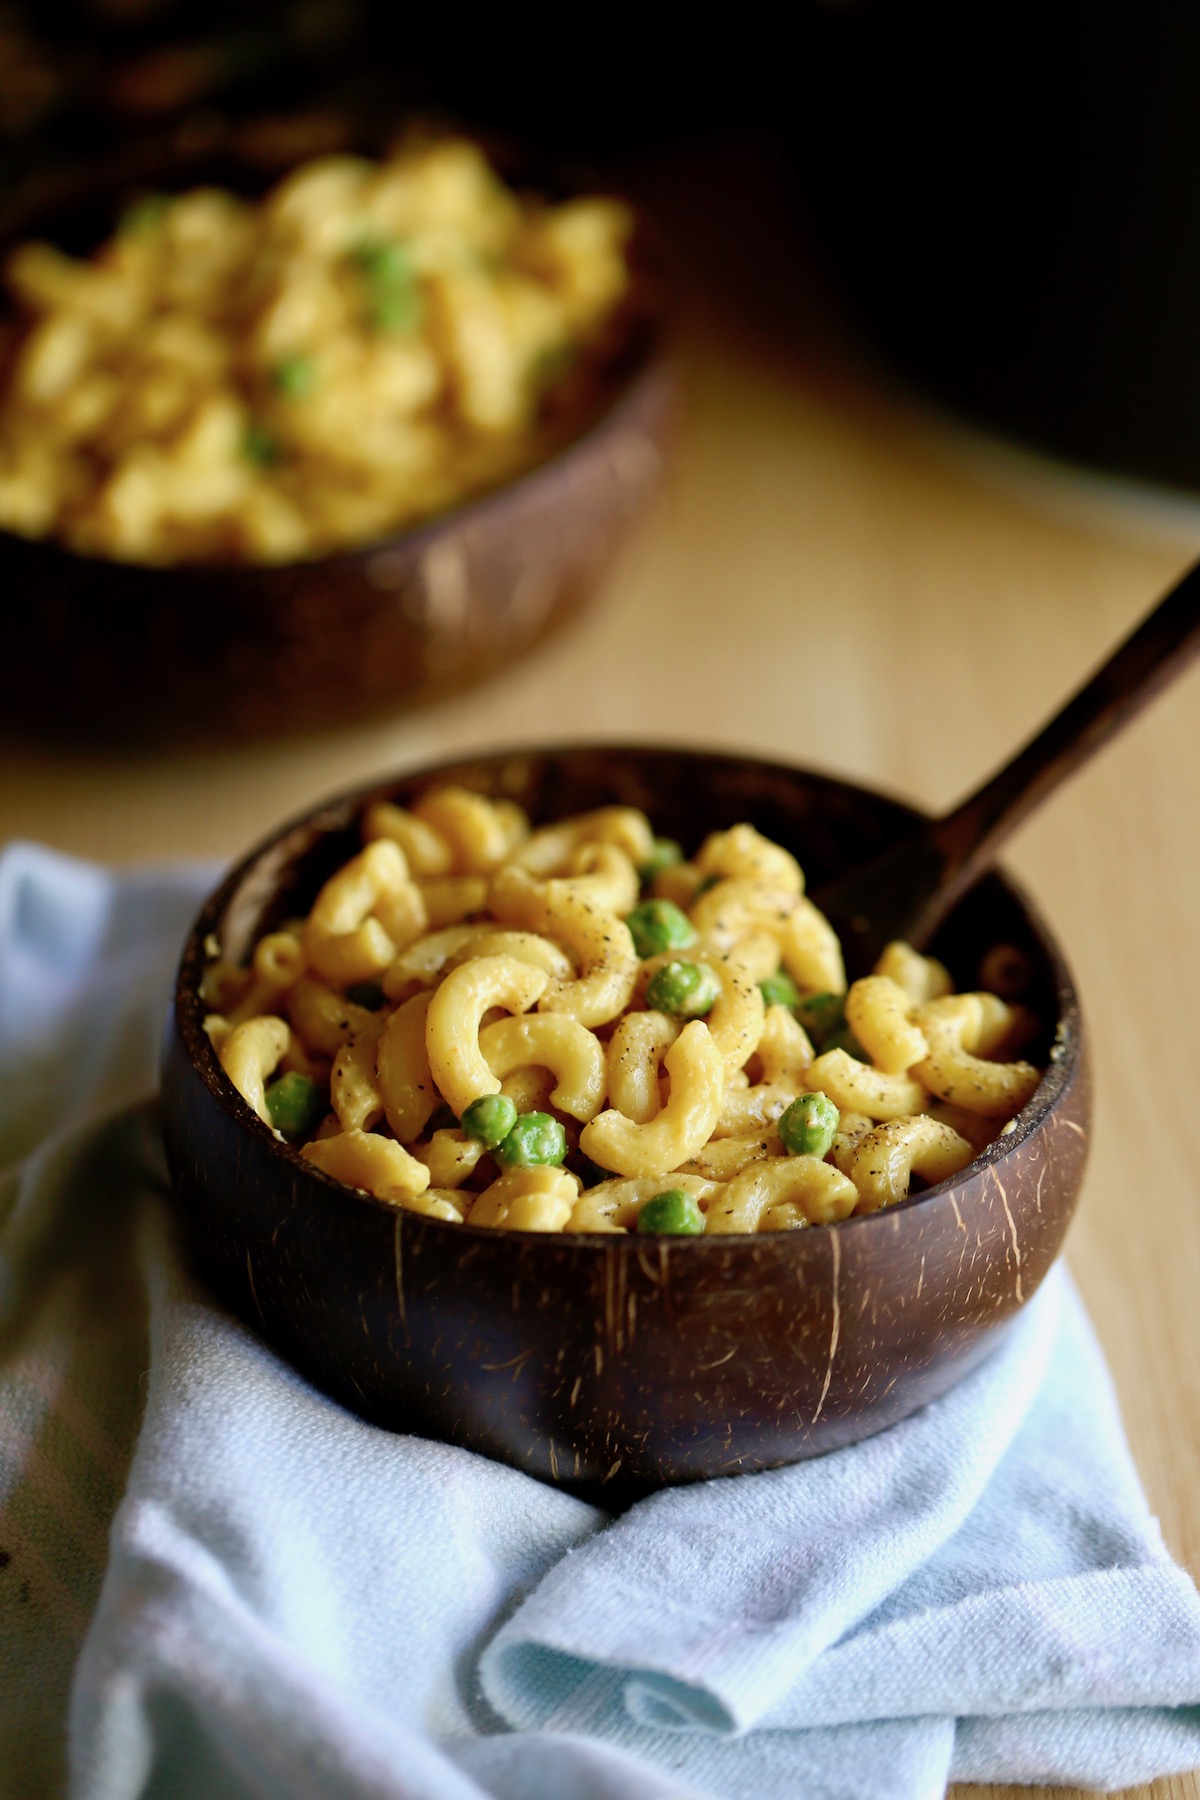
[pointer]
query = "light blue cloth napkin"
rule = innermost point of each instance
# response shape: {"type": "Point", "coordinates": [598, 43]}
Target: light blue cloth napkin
{"type": "Point", "coordinates": [216, 1584]}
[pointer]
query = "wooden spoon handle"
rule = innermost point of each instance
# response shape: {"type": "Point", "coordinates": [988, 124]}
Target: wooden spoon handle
{"type": "Point", "coordinates": [1151, 657]}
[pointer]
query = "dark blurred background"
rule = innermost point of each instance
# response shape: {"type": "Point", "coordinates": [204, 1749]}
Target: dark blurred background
{"type": "Point", "coordinates": [1009, 195]}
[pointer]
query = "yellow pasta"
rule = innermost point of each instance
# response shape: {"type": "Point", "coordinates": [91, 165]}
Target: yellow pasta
{"type": "Point", "coordinates": [455, 1012]}
{"type": "Point", "coordinates": [600, 1049]}
{"type": "Point", "coordinates": [681, 1128]}
{"type": "Point", "coordinates": [796, 1190]}
{"type": "Point", "coordinates": [889, 1155]}
{"type": "Point", "coordinates": [229, 380]}
{"type": "Point", "coordinates": [550, 1041]}
{"type": "Point", "coordinates": [956, 1027]}
{"type": "Point", "coordinates": [879, 1013]}
{"type": "Point", "coordinates": [363, 915]}
{"type": "Point", "coordinates": [635, 1055]}
{"type": "Point", "coordinates": [600, 942]}
{"type": "Point", "coordinates": [376, 1164]}
{"type": "Point", "coordinates": [249, 1053]}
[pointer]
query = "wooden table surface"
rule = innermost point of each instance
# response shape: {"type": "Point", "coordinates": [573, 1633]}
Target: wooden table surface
{"type": "Point", "coordinates": [837, 576]}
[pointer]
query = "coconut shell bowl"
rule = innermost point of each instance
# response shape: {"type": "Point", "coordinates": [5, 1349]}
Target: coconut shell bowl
{"type": "Point", "coordinates": [611, 1363]}
{"type": "Point", "coordinates": [134, 654]}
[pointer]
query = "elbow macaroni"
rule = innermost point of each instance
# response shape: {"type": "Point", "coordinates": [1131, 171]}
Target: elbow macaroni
{"type": "Point", "coordinates": [533, 993]}
{"type": "Point", "coordinates": [226, 380]}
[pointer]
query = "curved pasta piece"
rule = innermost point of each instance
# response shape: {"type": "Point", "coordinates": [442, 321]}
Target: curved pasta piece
{"type": "Point", "coordinates": [635, 1052]}
{"type": "Point", "coordinates": [604, 875]}
{"type": "Point", "coordinates": [681, 1128]}
{"type": "Point", "coordinates": [250, 1053]}
{"type": "Point", "coordinates": [723, 1158]}
{"type": "Point", "coordinates": [277, 965]}
{"type": "Point", "coordinates": [435, 1203]}
{"type": "Point", "coordinates": [344, 939]}
{"type": "Point", "coordinates": [852, 1129]}
{"type": "Point", "coordinates": [550, 1041]}
{"type": "Point", "coordinates": [480, 832]}
{"type": "Point", "coordinates": [923, 978]}
{"type": "Point", "coordinates": [278, 961]}
{"type": "Point", "coordinates": [426, 850]}
{"type": "Point", "coordinates": [529, 1088]}
{"type": "Point", "coordinates": [784, 1054]}
{"type": "Point", "coordinates": [547, 851]}
{"type": "Point", "coordinates": [455, 1012]}
{"type": "Point", "coordinates": [353, 1086]}
{"type": "Point", "coordinates": [977, 1130]}
{"type": "Point", "coordinates": [421, 963]}
{"type": "Point", "coordinates": [613, 1206]}
{"type": "Point", "coordinates": [322, 1018]}
{"type": "Point", "coordinates": [879, 1013]}
{"type": "Point", "coordinates": [888, 1157]}
{"type": "Point", "coordinates": [739, 1012]}
{"type": "Point", "coordinates": [601, 943]}
{"type": "Point", "coordinates": [743, 852]}
{"type": "Point", "coordinates": [450, 1158]}
{"type": "Point", "coordinates": [952, 1070]}
{"type": "Point", "coordinates": [780, 1193]}
{"type": "Point", "coordinates": [678, 882]}
{"type": "Point", "coordinates": [736, 907]}
{"type": "Point", "coordinates": [375, 1164]}
{"type": "Point", "coordinates": [402, 1069]}
{"type": "Point", "coordinates": [758, 955]}
{"type": "Point", "coordinates": [811, 952]}
{"type": "Point", "coordinates": [854, 1086]}
{"type": "Point", "coordinates": [526, 946]}
{"type": "Point", "coordinates": [449, 899]}
{"type": "Point", "coordinates": [1003, 1028]}
{"type": "Point", "coordinates": [535, 1199]}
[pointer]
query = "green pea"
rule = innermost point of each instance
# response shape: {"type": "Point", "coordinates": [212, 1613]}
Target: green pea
{"type": "Point", "coordinates": [260, 445]}
{"type": "Point", "coordinates": [489, 1119]}
{"type": "Point", "coordinates": [384, 262]}
{"type": "Point", "coordinates": [845, 1040]}
{"type": "Point", "coordinates": [821, 1015]}
{"type": "Point", "coordinates": [398, 310]}
{"type": "Point", "coordinates": [145, 215]}
{"type": "Point", "coordinates": [393, 292]}
{"type": "Point", "coordinates": [536, 1138]}
{"type": "Point", "coordinates": [674, 1212]}
{"type": "Point", "coordinates": [809, 1125]}
{"type": "Point", "coordinates": [689, 990]}
{"type": "Point", "coordinates": [780, 990]}
{"type": "Point", "coordinates": [659, 925]}
{"type": "Point", "coordinates": [295, 1104]}
{"type": "Point", "coordinates": [366, 993]}
{"type": "Point", "coordinates": [294, 376]}
{"type": "Point", "coordinates": [665, 854]}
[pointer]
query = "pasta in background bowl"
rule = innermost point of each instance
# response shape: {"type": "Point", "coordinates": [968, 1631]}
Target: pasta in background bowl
{"type": "Point", "coordinates": [272, 463]}
{"type": "Point", "coordinates": [605, 1352]}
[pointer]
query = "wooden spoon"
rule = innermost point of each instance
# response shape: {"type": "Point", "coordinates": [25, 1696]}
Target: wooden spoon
{"type": "Point", "coordinates": [906, 891]}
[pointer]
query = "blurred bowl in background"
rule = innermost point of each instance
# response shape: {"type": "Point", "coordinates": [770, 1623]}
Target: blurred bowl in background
{"type": "Point", "coordinates": [132, 653]}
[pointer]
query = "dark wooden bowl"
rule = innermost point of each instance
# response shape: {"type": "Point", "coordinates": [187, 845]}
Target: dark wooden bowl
{"type": "Point", "coordinates": [617, 1362]}
{"type": "Point", "coordinates": [129, 654]}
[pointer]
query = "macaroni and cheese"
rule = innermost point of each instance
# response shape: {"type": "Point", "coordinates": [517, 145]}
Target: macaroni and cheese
{"type": "Point", "coordinates": [575, 1028]}
{"type": "Point", "coordinates": [226, 380]}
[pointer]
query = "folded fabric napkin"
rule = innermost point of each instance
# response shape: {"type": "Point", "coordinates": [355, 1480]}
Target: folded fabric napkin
{"type": "Point", "coordinates": [214, 1582]}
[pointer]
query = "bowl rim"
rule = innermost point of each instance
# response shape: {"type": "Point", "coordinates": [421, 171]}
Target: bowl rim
{"type": "Point", "coordinates": [643, 363]}
{"type": "Point", "coordinates": [186, 1013]}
